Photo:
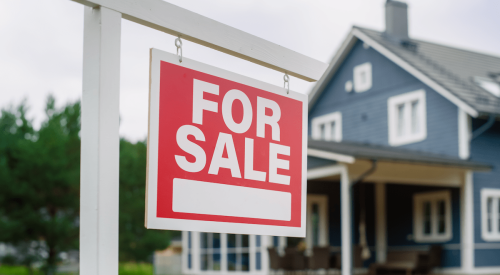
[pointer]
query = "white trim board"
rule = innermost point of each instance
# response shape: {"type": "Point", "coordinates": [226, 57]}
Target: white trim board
{"type": "Point", "coordinates": [347, 45]}
{"type": "Point", "coordinates": [330, 156]}
{"type": "Point", "coordinates": [332, 68]}
{"type": "Point", "coordinates": [323, 172]}
{"type": "Point", "coordinates": [174, 20]}
{"type": "Point", "coordinates": [476, 270]}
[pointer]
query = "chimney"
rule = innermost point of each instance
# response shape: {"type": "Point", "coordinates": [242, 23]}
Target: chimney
{"type": "Point", "coordinates": [396, 20]}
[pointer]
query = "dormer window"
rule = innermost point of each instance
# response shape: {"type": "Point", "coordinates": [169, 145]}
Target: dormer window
{"type": "Point", "coordinates": [327, 127]}
{"type": "Point", "coordinates": [362, 77]}
{"type": "Point", "coordinates": [407, 118]}
{"type": "Point", "coordinates": [488, 84]}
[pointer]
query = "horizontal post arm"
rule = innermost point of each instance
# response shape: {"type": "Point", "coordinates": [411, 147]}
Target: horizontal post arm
{"type": "Point", "coordinates": [174, 20]}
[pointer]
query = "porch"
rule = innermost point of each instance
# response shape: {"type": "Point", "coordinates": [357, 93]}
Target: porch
{"type": "Point", "coordinates": [403, 201]}
{"type": "Point", "coordinates": [390, 200]}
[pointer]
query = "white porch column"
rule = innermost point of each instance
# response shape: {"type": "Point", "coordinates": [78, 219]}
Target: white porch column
{"type": "Point", "coordinates": [467, 213]}
{"type": "Point", "coordinates": [345, 214]}
{"type": "Point", "coordinates": [100, 142]}
{"type": "Point", "coordinates": [381, 222]}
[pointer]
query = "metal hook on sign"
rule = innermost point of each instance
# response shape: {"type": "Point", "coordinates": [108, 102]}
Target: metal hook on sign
{"type": "Point", "coordinates": [178, 44]}
{"type": "Point", "coordinates": [286, 85]}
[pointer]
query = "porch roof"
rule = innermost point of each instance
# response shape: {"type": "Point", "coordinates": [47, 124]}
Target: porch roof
{"type": "Point", "coordinates": [392, 154]}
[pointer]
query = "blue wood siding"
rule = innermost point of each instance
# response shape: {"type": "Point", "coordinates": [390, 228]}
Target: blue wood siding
{"type": "Point", "coordinates": [313, 162]}
{"type": "Point", "coordinates": [364, 115]}
{"type": "Point", "coordinates": [485, 148]}
{"type": "Point", "coordinates": [400, 220]}
{"type": "Point", "coordinates": [487, 257]}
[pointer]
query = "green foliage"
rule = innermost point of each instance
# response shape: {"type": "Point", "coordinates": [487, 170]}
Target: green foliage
{"type": "Point", "coordinates": [136, 242]}
{"type": "Point", "coordinates": [40, 183]}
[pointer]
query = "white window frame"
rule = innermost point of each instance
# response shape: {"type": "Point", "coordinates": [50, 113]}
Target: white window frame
{"type": "Point", "coordinates": [418, 217]}
{"type": "Point", "coordinates": [360, 85]}
{"type": "Point", "coordinates": [392, 110]}
{"type": "Point", "coordinates": [485, 194]}
{"type": "Point", "coordinates": [322, 202]}
{"type": "Point", "coordinates": [196, 255]}
{"type": "Point", "coordinates": [326, 121]}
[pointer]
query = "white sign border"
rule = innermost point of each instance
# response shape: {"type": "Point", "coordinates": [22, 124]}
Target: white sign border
{"type": "Point", "coordinates": [153, 222]}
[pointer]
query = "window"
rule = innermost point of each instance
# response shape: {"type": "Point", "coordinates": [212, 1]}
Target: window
{"type": "Point", "coordinates": [407, 118]}
{"type": "Point", "coordinates": [238, 253]}
{"type": "Point", "coordinates": [317, 220]}
{"type": "Point", "coordinates": [432, 216]}
{"type": "Point", "coordinates": [362, 77]}
{"type": "Point", "coordinates": [490, 212]}
{"type": "Point", "coordinates": [489, 85]}
{"type": "Point", "coordinates": [189, 250]}
{"type": "Point", "coordinates": [210, 251]}
{"type": "Point", "coordinates": [327, 127]}
{"type": "Point", "coordinates": [258, 253]}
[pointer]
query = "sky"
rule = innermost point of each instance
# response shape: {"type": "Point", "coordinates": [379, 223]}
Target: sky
{"type": "Point", "coordinates": [41, 43]}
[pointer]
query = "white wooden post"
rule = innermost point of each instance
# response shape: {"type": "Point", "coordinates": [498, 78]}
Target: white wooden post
{"type": "Point", "coordinates": [100, 142]}
{"type": "Point", "coordinates": [381, 222]}
{"type": "Point", "coordinates": [346, 227]}
{"type": "Point", "coordinates": [467, 236]}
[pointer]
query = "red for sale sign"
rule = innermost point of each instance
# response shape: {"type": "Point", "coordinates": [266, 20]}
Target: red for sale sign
{"type": "Point", "coordinates": [226, 153]}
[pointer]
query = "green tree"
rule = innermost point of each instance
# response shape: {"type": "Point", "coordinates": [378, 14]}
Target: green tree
{"type": "Point", "coordinates": [40, 182]}
{"type": "Point", "coordinates": [136, 242]}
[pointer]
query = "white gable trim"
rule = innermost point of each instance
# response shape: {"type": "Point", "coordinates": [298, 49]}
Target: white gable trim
{"type": "Point", "coordinates": [416, 73]}
{"type": "Point", "coordinates": [332, 68]}
{"type": "Point", "coordinates": [349, 43]}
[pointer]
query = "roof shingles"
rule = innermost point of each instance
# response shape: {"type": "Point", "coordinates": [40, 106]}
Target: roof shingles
{"type": "Point", "coordinates": [451, 68]}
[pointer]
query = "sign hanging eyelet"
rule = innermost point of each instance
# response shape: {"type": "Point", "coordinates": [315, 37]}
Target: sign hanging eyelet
{"type": "Point", "coordinates": [178, 44]}
{"type": "Point", "coordinates": [286, 84]}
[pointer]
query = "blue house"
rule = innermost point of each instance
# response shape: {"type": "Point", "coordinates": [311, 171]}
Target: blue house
{"type": "Point", "coordinates": [404, 154]}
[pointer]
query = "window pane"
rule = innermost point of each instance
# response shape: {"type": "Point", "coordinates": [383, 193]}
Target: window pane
{"type": "Point", "coordinates": [333, 130]}
{"type": "Point", "coordinates": [257, 241]}
{"type": "Point", "coordinates": [275, 241]}
{"type": "Point", "coordinates": [204, 262]}
{"type": "Point", "coordinates": [189, 261]}
{"type": "Point", "coordinates": [231, 240]}
{"type": "Point", "coordinates": [315, 224]}
{"type": "Point", "coordinates": [401, 120]}
{"type": "Point", "coordinates": [189, 239]}
{"type": "Point", "coordinates": [231, 261]}
{"type": "Point", "coordinates": [245, 262]}
{"type": "Point", "coordinates": [216, 261]}
{"type": "Point", "coordinates": [441, 217]}
{"type": "Point", "coordinates": [258, 265]}
{"type": "Point", "coordinates": [216, 240]}
{"type": "Point", "coordinates": [415, 123]}
{"type": "Point", "coordinates": [427, 218]}
{"type": "Point", "coordinates": [244, 241]}
{"type": "Point", "coordinates": [322, 130]}
{"type": "Point", "coordinates": [204, 240]}
{"type": "Point", "coordinates": [498, 215]}
{"type": "Point", "coordinates": [489, 214]}
{"type": "Point", "coordinates": [362, 77]}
